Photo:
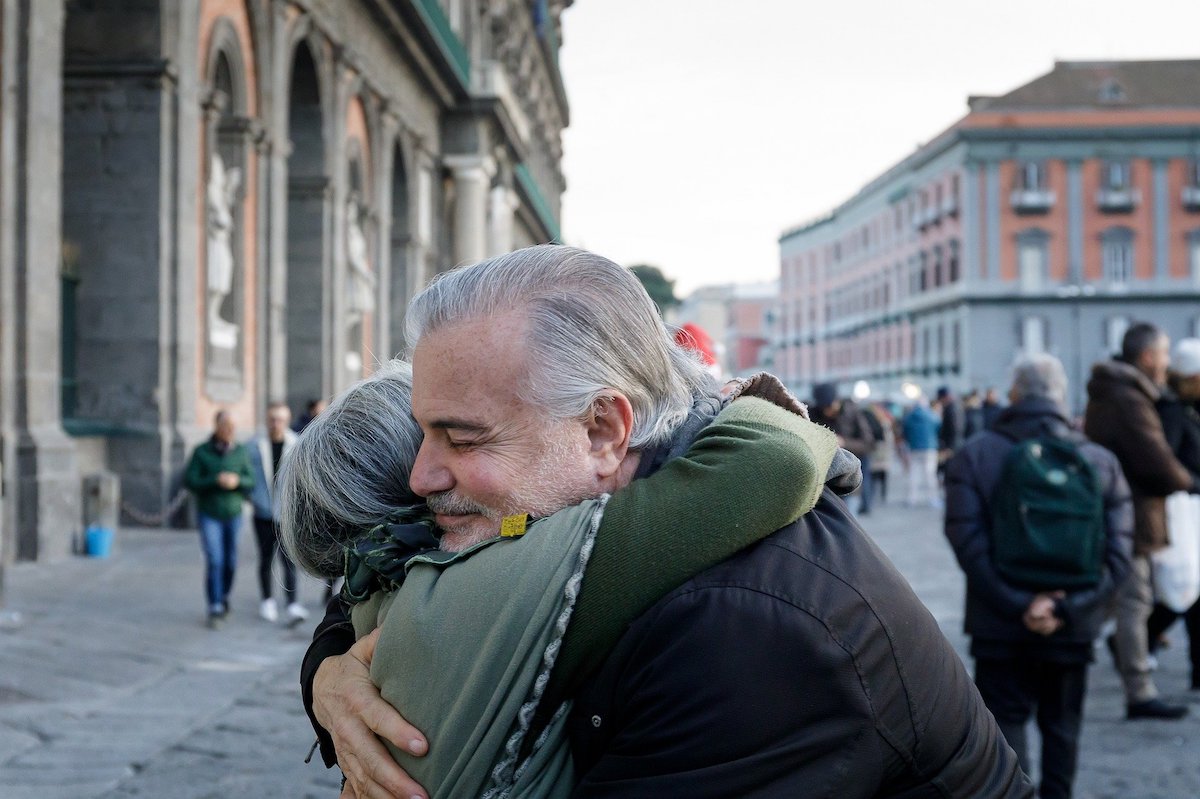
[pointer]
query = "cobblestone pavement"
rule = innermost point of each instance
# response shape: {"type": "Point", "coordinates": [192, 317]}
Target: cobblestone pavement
{"type": "Point", "coordinates": [112, 687]}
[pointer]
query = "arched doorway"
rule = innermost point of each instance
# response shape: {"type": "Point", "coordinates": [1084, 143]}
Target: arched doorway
{"type": "Point", "coordinates": [307, 199]}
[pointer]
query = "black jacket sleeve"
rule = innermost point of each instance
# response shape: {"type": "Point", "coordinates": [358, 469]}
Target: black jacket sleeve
{"type": "Point", "coordinates": [803, 666]}
{"type": "Point", "coordinates": [333, 636]}
{"type": "Point", "coordinates": [744, 723]}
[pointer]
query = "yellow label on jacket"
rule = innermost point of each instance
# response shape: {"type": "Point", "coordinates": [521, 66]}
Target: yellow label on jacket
{"type": "Point", "coordinates": [514, 526]}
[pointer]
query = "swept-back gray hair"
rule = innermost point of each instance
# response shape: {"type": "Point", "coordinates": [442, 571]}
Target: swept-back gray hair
{"type": "Point", "coordinates": [1040, 376]}
{"type": "Point", "coordinates": [348, 470]}
{"type": "Point", "coordinates": [592, 328]}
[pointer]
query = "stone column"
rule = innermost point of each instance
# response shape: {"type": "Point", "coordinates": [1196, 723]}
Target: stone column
{"type": "Point", "coordinates": [385, 153]}
{"type": "Point", "coordinates": [422, 268]}
{"type": "Point", "coordinates": [276, 100]}
{"type": "Point", "coordinates": [40, 471]}
{"type": "Point", "coordinates": [472, 179]}
{"type": "Point", "coordinates": [502, 204]}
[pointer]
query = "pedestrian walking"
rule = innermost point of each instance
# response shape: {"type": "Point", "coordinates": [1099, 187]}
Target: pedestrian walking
{"type": "Point", "coordinates": [266, 452]}
{"type": "Point", "coordinates": [1121, 417]}
{"type": "Point", "coordinates": [854, 432]}
{"type": "Point", "coordinates": [1033, 614]}
{"type": "Point", "coordinates": [883, 427]}
{"type": "Point", "coordinates": [920, 426]}
{"type": "Point", "coordinates": [312, 409]}
{"type": "Point", "coordinates": [972, 414]}
{"type": "Point", "coordinates": [1179, 409]}
{"type": "Point", "coordinates": [991, 407]}
{"type": "Point", "coordinates": [219, 476]}
{"type": "Point", "coordinates": [952, 433]}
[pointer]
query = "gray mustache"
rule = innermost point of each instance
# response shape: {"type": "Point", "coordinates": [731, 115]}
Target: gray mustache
{"type": "Point", "coordinates": [451, 504]}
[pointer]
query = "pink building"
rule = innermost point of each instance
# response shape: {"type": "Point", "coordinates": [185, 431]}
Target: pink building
{"type": "Point", "coordinates": [1048, 219]}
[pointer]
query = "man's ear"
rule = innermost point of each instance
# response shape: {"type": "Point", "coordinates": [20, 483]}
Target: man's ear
{"type": "Point", "coordinates": [609, 426]}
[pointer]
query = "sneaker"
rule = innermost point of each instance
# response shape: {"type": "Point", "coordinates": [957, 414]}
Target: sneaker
{"type": "Point", "coordinates": [1155, 709]}
{"type": "Point", "coordinates": [214, 621]}
{"type": "Point", "coordinates": [296, 613]}
{"type": "Point", "coordinates": [268, 611]}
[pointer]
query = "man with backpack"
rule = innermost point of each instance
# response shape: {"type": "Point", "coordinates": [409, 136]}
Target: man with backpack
{"type": "Point", "coordinates": [1040, 520]}
{"type": "Point", "coordinates": [1121, 416]}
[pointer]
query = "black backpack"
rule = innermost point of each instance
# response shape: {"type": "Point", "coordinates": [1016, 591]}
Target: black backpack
{"type": "Point", "coordinates": [1048, 527]}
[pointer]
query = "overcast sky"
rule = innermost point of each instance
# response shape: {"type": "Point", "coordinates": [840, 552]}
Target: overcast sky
{"type": "Point", "coordinates": [701, 129]}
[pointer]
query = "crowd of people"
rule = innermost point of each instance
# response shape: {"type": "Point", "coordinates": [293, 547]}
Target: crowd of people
{"type": "Point", "coordinates": [576, 565]}
{"type": "Point", "coordinates": [1096, 486]}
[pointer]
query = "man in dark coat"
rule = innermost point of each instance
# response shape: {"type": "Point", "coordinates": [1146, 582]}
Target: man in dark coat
{"type": "Point", "coordinates": [1179, 409]}
{"type": "Point", "coordinates": [803, 666]}
{"type": "Point", "coordinates": [991, 407]}
{"type": "Point", "coordinates": [954, 423]}
{"type": "Point", "coordinates": [1032, 648]}
{"type": "Point", "coordinates": [854, 432]}
{"type": "Point", "coordinates": [1121, 417]}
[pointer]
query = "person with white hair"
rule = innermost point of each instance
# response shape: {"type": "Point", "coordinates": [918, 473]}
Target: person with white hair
{"type": "Point", "coordinates": [464, 640]}
{"type": "Point", "coordinates": [545, 377]}
{"type": "Point", "coordinates": [1179, 409]}
{"type": "Point", "coordinates": [1032, 628]}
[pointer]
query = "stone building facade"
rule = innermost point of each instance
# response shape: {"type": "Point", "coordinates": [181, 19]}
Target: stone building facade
{"type": "Point", "coordinates": [215, 204]}
{"type": "Point", "coordinates": [1047, 219]}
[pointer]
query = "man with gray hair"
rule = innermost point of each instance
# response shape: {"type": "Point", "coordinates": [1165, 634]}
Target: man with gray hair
{"type": "Point", "coordinates": [545, 376]}
{"type": "Point", "coordinates": [1032, 630]}
{"type": "Point", "coordinates": [1121, 416]}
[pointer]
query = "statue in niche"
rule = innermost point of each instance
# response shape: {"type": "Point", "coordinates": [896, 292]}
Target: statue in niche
{"type": "Point", "coordinates": [360, 286]}
{"type": "Point", "coordinates": [360, 279]}
{"type": "Point", "coordinates": [221, 195]}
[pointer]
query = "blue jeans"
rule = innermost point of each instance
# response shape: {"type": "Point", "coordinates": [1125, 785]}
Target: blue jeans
{"type": "Point", "coordinates": [218, 540]}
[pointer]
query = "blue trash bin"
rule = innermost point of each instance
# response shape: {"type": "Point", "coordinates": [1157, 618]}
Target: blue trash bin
{"type": "Point", "coordinates": [99, 541]}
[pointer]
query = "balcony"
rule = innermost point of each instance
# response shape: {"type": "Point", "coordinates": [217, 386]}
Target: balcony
{"type": "Point", "coordinates": [1032, 201]}
{"type": "Point", "coordinates": [1116, 201]}
{"type": "Point", "coordinates": [1191, 198]}
{"type": "Point", "coordinates": [950, 206]}
{"type": "Point", "coordinates": [489, 81]}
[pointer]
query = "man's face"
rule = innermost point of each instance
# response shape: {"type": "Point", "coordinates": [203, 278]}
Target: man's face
{"type": "Point", "coordinates": [1154, 361]}
{"type": "Point", "coordinates": [225, 429]}
{"type": "Point", "coordinates": [278, 420]}
{"type": "Point", "coordinates": [487, 453]}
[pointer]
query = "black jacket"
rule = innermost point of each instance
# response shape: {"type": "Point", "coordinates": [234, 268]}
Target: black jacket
{"type": "Point", "coordinates": [995, 607]}
{"type": "Point", "coordinates": [803, 666]}
{"type": "Point", "coordinates": [954, 423]}
{"type": "Point", "coordinates": [1181, 428]}
{"type": "Point", "coordinates": [851, 424]}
